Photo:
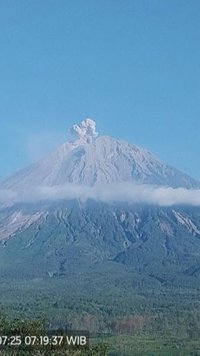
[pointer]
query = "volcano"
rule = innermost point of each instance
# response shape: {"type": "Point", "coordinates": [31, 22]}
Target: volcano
{"type": "Point", "coordinates": [48, 237]}
{"type": "Point", "coordinates": [90, 159]}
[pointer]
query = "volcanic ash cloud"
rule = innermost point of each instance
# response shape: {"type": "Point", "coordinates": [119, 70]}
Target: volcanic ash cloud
{"type": "Point", "coordinates": [85, 129]}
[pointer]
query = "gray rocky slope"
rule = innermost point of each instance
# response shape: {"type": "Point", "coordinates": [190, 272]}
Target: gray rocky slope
{"type": "Point", "coordinates": [49, 237]}
{"type": "Point", "coordinates": [91, 159]}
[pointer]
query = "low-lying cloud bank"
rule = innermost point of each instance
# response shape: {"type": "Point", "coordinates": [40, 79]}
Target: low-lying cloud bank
{"type": "Point", "coordinates": [122, 192]}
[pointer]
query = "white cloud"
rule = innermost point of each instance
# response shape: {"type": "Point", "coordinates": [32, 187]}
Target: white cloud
{"type": "Point", "coordinates": [122, 192]}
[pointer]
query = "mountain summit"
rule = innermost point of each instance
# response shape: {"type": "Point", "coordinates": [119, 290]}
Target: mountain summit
{"type": "Point", "coordinates": [91, 159]}
{"type": "Point", "coordinates": [46, 237]}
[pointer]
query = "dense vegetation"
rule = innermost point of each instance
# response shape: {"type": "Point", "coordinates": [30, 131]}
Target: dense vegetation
{"type": "Point", "coordinates": [131, 276]}
{"type": "Point", "coordinates": [160, 321]}
{"type": "Point", "coordinates": [37, 328]}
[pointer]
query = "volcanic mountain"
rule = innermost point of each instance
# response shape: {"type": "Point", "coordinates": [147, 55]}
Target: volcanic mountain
{"type": "Point", "coordinates": [48, 238]}
{"type": "Point", "coordinates": [91, 160]}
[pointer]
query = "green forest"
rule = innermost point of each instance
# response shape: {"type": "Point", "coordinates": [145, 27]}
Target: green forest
{"type": "Point", "coordinates": [157, 321]}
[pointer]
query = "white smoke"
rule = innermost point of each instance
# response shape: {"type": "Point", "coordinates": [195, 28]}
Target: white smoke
{"type": "Point", "coordinates": [121, 192]}
{"type": "Point", "coordinates": [85, 129]}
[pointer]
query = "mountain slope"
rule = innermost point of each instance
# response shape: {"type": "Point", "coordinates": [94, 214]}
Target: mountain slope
{"type": "Point", "coordinates": [92, 159]}
{"type": "Point", "coordinates": [54, 235]}
{"type": "Point", "coordinates": [92, 264]}
{"type": "Point", "coordinates": [163, 243]}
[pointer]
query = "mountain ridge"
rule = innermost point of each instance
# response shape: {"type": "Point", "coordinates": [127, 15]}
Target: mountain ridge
{"type": "Point", "coordinates": [91, 159]}
{"type": "Point", "coordinates": [52, 238]}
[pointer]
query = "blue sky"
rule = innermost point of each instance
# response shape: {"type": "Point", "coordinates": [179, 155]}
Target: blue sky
{"type": "Point", "coordinates": [133, 66]}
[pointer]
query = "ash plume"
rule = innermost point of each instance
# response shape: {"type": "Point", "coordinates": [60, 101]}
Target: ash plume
{"type": "Point", "coordinates": [85, 129]}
